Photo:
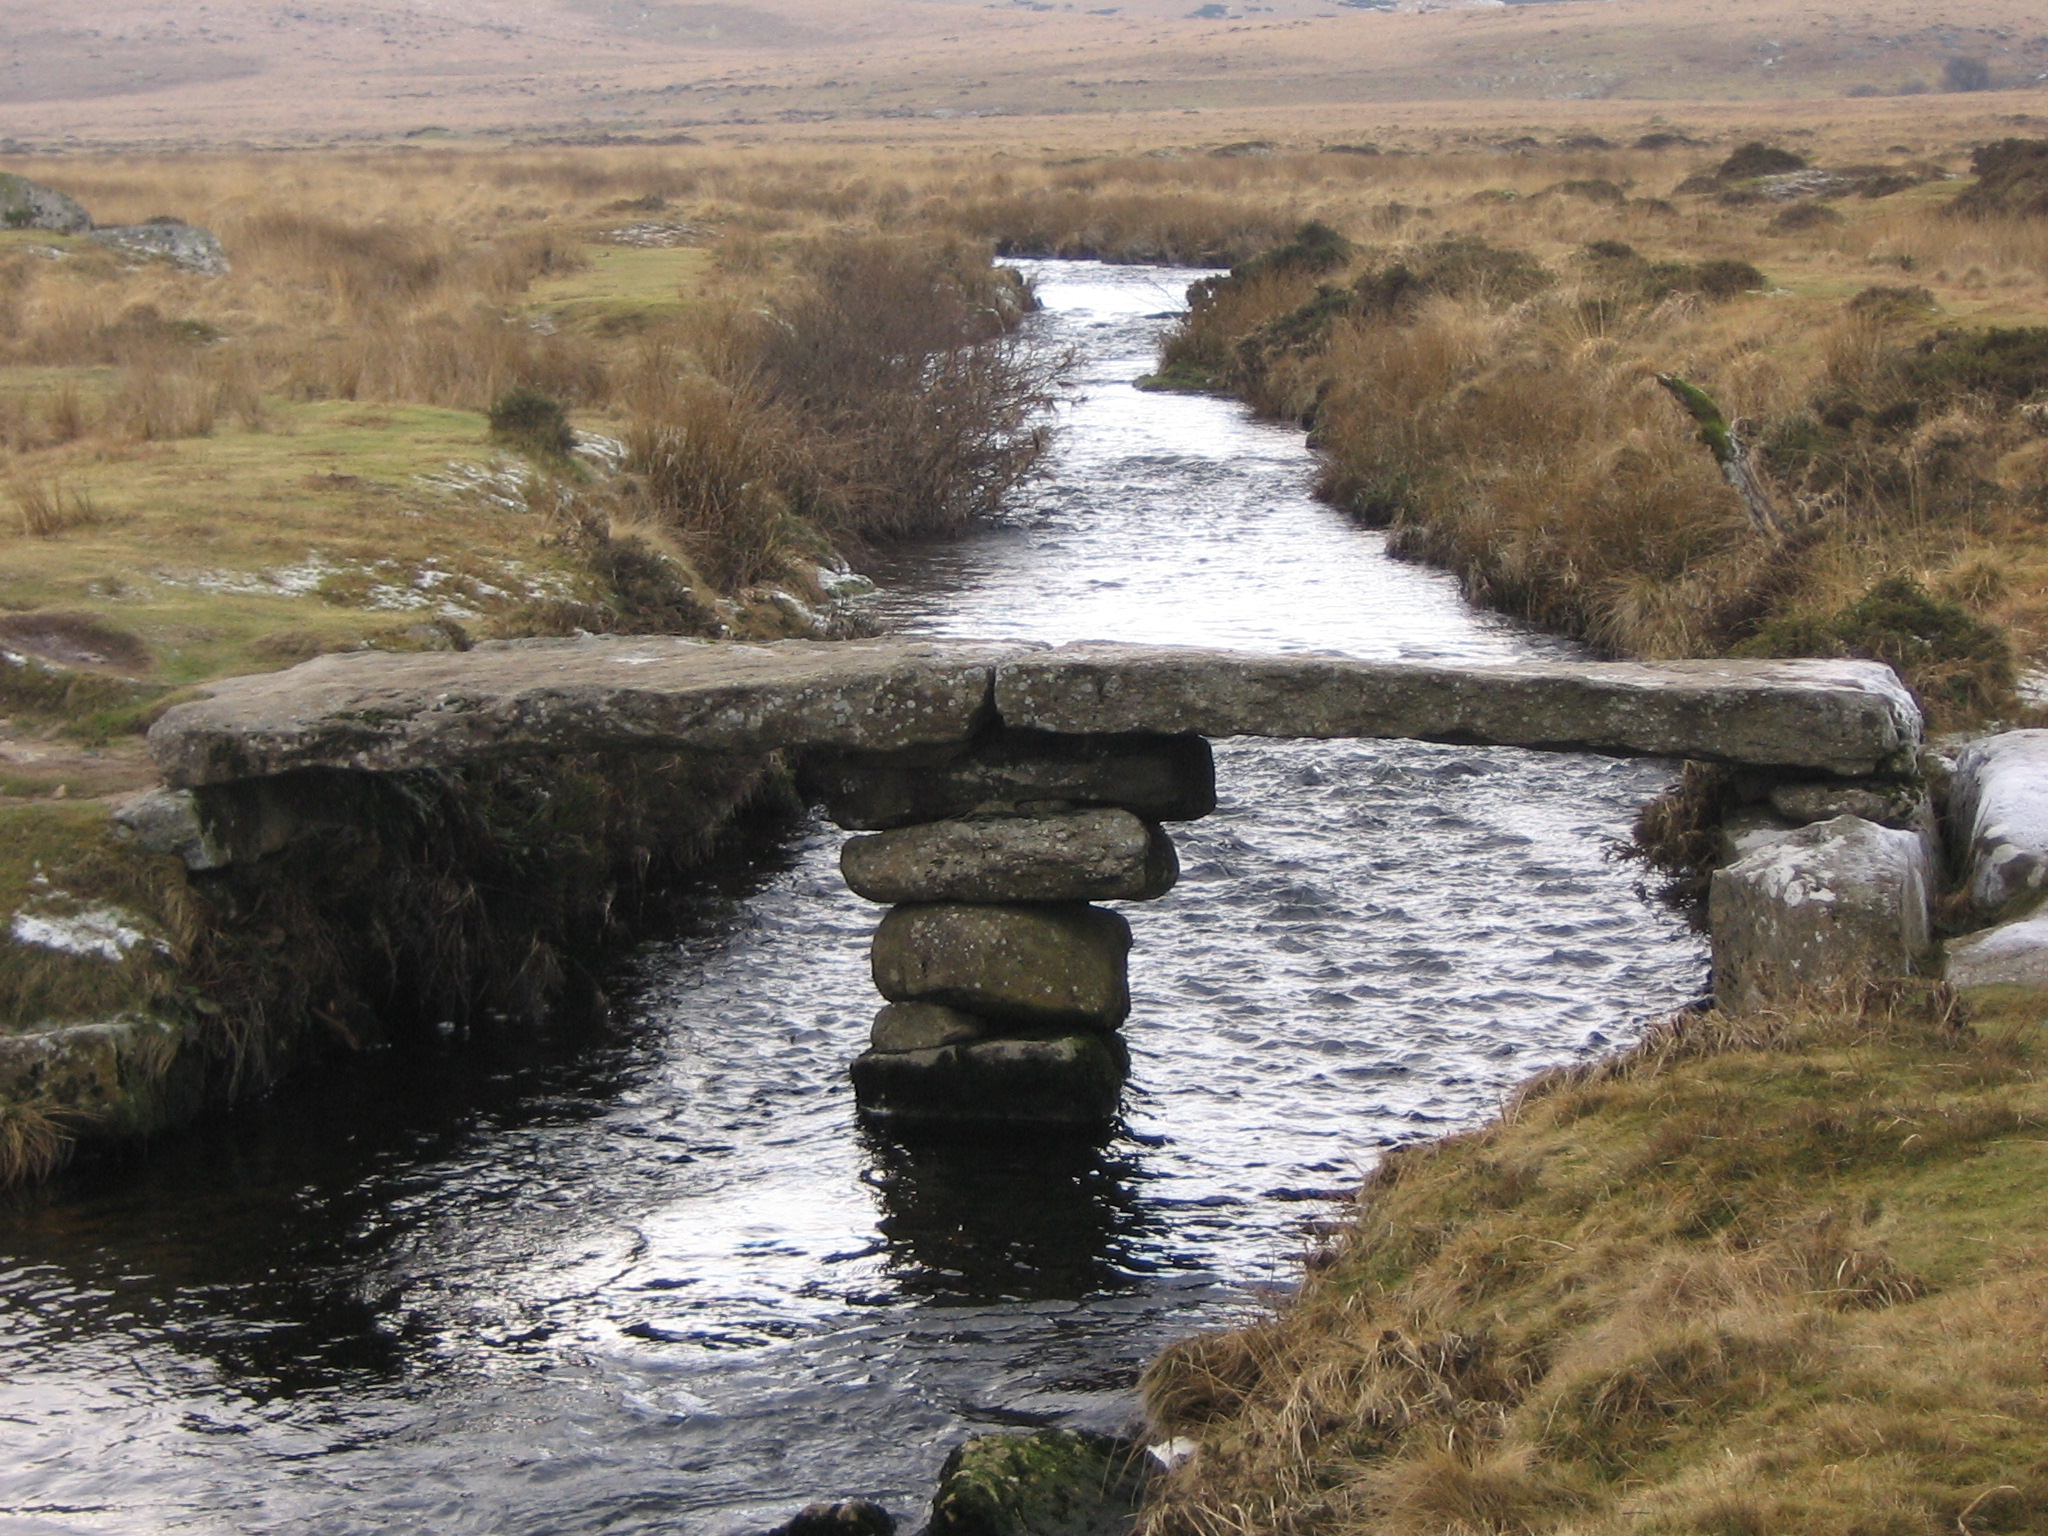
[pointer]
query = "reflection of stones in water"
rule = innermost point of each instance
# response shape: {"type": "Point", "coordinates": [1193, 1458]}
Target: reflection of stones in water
{"type": "Point", "coordinates": [1006, 1215]}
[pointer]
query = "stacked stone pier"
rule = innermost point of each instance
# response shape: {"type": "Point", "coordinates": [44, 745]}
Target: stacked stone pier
{"type": "Point", "coordinates": [1005, 983]}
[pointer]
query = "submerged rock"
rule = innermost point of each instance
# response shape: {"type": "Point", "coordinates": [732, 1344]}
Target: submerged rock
{"type": "Point", "coordinates": [1094, 855]}
{"type": "Point", "coordinates": [1156, 778]}
{"type": "Point", "coordinates": [1829, 908]}
{"type": "Point", "coordinates": [1998, 817]}
{"type": "Point", "coordinates": [1051, 1081]}
{"type": "Point", "coordinates": [25, 204]}
{"type": "Point", "coordinates": [1053, 1482]}
{"type": "Point", "coordinates": [839, 1517]}
{"type": "Point", "coordinates": [183, 245]}
{"type": "Point", "coordinates": [1053, 964]}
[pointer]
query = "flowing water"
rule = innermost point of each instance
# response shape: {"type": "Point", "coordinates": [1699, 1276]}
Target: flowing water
{"type": "Point", "coordinates": [649, 1275]}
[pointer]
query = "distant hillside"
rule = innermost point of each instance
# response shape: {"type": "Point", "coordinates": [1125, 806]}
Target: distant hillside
{"type": "Point", "coordinates": [316, 70]}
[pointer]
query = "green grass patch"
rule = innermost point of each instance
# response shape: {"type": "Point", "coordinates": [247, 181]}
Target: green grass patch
{"type": "Point", "coordinates": [623, 288]}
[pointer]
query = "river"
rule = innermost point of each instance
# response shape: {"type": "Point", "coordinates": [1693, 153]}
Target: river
{"type": "Point", "coordinates": [648, 1274]}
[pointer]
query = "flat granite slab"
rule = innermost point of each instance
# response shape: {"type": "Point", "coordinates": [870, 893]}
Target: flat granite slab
{"type": "Point", "coordinates": [379, 711]}
{"type": "Point", "coordinates": [1842, 717]}
{"type": "Point", "coordinates": [385, 711]}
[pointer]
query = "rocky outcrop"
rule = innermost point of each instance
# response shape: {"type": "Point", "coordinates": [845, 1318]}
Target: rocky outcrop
{"type": "Point", "coordinates": [1092, 855]}
{"type": "Point", "coordinates": [186, 246]}
{"type": "Point", "coordinates": [1841, 717]}
{"type": "Point", "coordinates": [386, 711]}
{"type": "Point", "coordinates": [1058, 964]}
{"type": "Point", "coordinates": [1822, 912]}
{"type": "Point", "coordinates": [1998, 817]}
{"type": "Point", "coordinates": [1053, 1482]}
{"type": "Point", "coordinates": [26, 205]}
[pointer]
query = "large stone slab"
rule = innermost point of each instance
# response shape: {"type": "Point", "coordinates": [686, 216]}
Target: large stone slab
{"type": "Point", "coordinates": [1158, 778]}
{"type": "Point", "coordinates": [1998, 817]}
{"type": "Point", "coordinates": [1035, 965]}
{"type": "Point", "coordinates": [1094, 855]}
{"type": "Point", "coordinates": [1842, 717]}
{"type": "Point", "coordinates": [1820, 913]}
{"type": "Point", "coordinates": [383, 711]}
{"type": "Point", "coordinates": [1060, 1080]}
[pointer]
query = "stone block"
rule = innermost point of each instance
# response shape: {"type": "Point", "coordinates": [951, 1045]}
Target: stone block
{"type": "Point", "coordinates": [1094, 855]}
{"type": "Point", "coordinates": [1821, 912]}
{"type": "Point", "coordinates": [1033, 965]}
{"type": "Point", "coordinates": [925, 1027]}
{"type": "Point", "coordinates": [1896, 803]}
{"type": "Point", "coordinates": [1157, 778]}
{"type": "Point", "coordinates": [1998, 817]}
{"type": "Point", "coordinates": [1059, 1080]}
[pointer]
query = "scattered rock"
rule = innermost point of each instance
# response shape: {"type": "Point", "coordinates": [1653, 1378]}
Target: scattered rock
{"type": "Point", "coordinates": [1069, 1080]}
{"type": "Point", "coordinates": [1095, 855]}
{"type": "Point", "coordinates": [1158, 778]}
{"type": "Point", "coordinates": [1998, 817]}
{"type": "Point", "coordinates": [1842, 717]}
{"type": "Point", "coordinates": [1054, 1482]}
{"type": "Point", "coordinates": [167, 822]}
{"type": "Point", "coordinates": [186, 246]}
{"type": "Point", "coordinates": [1827, 909]}
{"type": "Point", "coordinates": [842, 1517]}
{"type": "Point", "coordinates": [2010, 955]}
{"type": "Point", "coordinates": [1055, 964]}
{"type": "Point", "coordinates": [26, 205]}
{"type": "Point", "coordinates": [925, 1027]}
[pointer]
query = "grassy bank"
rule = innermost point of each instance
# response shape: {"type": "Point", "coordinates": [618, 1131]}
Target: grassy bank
{"type": "Point", "coordinates": [1759, 1274]}
{"type": "Point", "coordinates": [1790, 409]}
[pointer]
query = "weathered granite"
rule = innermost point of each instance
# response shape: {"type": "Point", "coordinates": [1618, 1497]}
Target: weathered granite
{"type": "Point", "coordinates": [1824, 910]}
{"type": "Point", "coordinates": [1051, 1482]}
{"type": "Point", "coordinates": [385, 711]}
{"type": "Point", "coordinates": [1841, 717]}
{"type": "Point", "coordinates": [1998, 817]}
{"type": "Point", "coordinates": [1893, 803]}
{"type": "Point", "coordinates": [1750, 827]}
{"type": "Point", "coordinates": [1157, 778]}
{"type": "Point", "coordinates": [120, 1077]}
{"type": "Point", "coordinates": [186, 246]}
{"type": "Point", "coordinates": [1052, 1080]}
{"type": "Point", "coordinates": [926, 1027]}
{"type": "Point", "coordinates": [1052, 964]}
{"type": "Point", "coordinates": [25, 204]}
{"type": "Point", "coordinates": [1093, 855]}
{"type": "Point", "coordinates": [2013, 954]}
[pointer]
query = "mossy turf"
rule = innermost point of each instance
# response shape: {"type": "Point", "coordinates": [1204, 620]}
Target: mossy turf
{"type": "Point", "coordinates": [622, 288]}
{"type": "Point", "coordinates": [1763, 1275]}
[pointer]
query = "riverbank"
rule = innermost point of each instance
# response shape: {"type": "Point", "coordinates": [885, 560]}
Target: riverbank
{"type": "Point", "coordinates": [1764, 1273]}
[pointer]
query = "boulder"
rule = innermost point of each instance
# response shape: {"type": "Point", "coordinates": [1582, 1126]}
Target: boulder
{"type": "Point", "coordinates": [26, 205]}
{"type": "Point", "coordinates": [1998, 817]}
{"type": "Point", "coordinates": [1822, 912]}
{"type": "Point", "coordinates": [1059, 964]}
{"type": "Point", "coordinates": [840, 1517]}
{"type": "Point", "coordinates": [1750, 827]}
{"type": "Point", "coordinates": [182, 245]}
{"type": "Point", "coordinates": [1053, 1080]}
{"type": "Point", "coordinates": [1095, 855]}
{"type": "Point", "coordinates": [1841, 717]}
{"type": "Point", "coordinates": [925, 1027]}
{"type": "Point", "coordinates": [386, 711]}
{"type": "Point", "coordinates": [1052, 1482]}
{"type": "Point", "coordinates": [1158, 778]}
{"type": "Point", "coordinates": [2011, 955]}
